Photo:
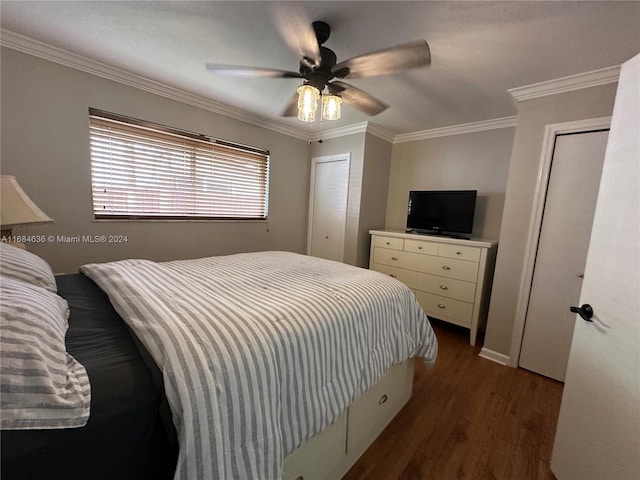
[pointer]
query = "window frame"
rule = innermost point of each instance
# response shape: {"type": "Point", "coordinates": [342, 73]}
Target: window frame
{"type": "Point", "coordinates": [187, 135]}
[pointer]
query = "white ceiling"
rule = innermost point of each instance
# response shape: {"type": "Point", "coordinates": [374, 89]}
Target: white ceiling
{"type": "Point", "coordinates": [479, 49]}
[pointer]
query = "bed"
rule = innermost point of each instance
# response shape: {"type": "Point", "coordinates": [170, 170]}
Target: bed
{"type": "Point", "coordinates": [304, 355]}
{"type": "Point", "coordinates": [129, 434]}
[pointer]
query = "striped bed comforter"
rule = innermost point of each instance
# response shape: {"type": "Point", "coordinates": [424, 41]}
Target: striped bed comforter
{"type": "Point", "coordinates": [260, 351]}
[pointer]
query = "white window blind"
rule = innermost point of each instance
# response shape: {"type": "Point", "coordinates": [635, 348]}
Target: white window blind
{"type": "Point", "coordinates": [146, 171]}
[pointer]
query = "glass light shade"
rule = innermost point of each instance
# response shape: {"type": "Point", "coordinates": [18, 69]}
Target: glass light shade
{"type": "Point", "coordinates": [307, 102]}
{"type": "Point", "coordinates": [306, 116]}
{"type": "Point", "coordinates": [331, 107]}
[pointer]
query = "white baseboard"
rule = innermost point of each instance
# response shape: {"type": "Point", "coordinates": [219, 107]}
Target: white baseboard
{"type": "Point", "coordinates": [500, 358]}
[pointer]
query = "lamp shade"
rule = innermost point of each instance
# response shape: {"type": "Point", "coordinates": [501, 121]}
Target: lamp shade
{"type": "Point", "coordinates": [16, 208]}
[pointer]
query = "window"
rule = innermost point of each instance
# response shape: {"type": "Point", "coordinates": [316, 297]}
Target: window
{"type": "Point", "coordinates": [141, 170]}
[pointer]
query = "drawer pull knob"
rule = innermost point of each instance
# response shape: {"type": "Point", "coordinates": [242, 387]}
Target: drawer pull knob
{"type": "Point", "coordinates": [419, 248]}
{"type": "Point", "coordinates": [444, 287]}
{"type": "Point", "coordinates": [395, 259]}
{"type": "Point", "coordinates": [393, 275]}
{"type": "Point", "coordinates": [458, 253]}
{"type": "Point", "coordinates": [383, 399]}
{"type": "Point", "coordinates": [442, 305]}
{"type": "Point", "coordinates": [446, 267]}
{"type": "Point", "coordinates": [388, 243]}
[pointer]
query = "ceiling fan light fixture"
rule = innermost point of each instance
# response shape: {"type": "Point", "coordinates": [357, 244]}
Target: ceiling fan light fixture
{"type": "Point", "coordinates": [331, 107]}
{"type": "Point", "coordinates": [307, 102]}
{"type": "Point", "coordinates": [319, 67]}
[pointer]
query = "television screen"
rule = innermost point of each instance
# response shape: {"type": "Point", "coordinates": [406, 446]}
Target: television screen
{"type": "Point", "coordinates": [441, 211]}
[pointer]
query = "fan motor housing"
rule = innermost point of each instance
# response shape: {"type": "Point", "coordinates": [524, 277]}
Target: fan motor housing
{"type": "Point", "coordinates": [321, 75]}
{"type": "Point", "coordinates": [322, 30]}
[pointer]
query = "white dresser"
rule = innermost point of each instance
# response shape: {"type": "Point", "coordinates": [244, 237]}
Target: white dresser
{"type": "Point", "coordinates": [451, 278]}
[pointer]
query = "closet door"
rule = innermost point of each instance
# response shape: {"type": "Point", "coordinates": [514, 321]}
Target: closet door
{"type": "Point", "coordinates": [562, 251]}
{"type": "Point", "coordinates": [328, 206]}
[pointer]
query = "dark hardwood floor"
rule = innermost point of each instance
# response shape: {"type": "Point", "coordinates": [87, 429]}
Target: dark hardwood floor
{"type": "Point", "coordinates": [468, 418]}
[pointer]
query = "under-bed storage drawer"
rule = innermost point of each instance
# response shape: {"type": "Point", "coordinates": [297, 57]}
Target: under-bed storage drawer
{"type": "Point", "coordinates": [333, 451]}
{"type": "Point", "coordinates": [317, 457]}
{"type": "Point", "coordinates": [373, 411]}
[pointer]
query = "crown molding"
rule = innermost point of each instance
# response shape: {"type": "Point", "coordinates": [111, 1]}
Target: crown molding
{"type": "Point", "coordinates": [493, 124]}
{"type": "Point", "coordinates": [42, 50]}
{"type": "Point", "coordinates": [63, 57]}
{"type": "Point", "coordinates": [380, 132]}
{"type": "Point", "coordinates": [363, 127]}
{"type": "Point", "coordinates": [593, 78]}
{"type": "Point", "coordinates": [341, 131]}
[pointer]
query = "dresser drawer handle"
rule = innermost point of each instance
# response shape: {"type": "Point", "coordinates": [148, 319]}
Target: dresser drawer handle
{"type": "Point", "coordinates": [388, 243]}
{"type": "Point", "coordinates": [393, 275]}
{"type": "Point", "coordinates": [419, 248]}
{"type": "Point", "coordinates": [441, 305]}
{"type": "Point", "coordinates": [458, 253]}
{"type": "Point", "coordinates": [444, 287]}
{"type": "Point", "coordinates": [395, 259]}
{"type": "Point", "coordinates": [446, 267]}
{"type": "Point", "coordinates": [383, 399]}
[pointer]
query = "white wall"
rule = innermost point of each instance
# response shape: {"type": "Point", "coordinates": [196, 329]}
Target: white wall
{"type": "Point", "coordinates": [375, 185]}
{"type": "Point", "coordinates": [533, 116]}
{"type": "Point", "coordinates": [471, 161]}
{"type": "Point", "coordinates": [368, 181]}
{"type": "Point", "coordinates": [44, 132]}
{"type": "Point", "coordinates": [353, 144]}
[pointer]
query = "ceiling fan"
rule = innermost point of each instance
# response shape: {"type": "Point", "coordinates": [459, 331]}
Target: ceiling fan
{"type": "Point", "coordinates": [319, 68]}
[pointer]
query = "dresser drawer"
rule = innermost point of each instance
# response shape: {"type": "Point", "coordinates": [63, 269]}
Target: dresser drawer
{"type": "Point", "coordinates": [459, 251]}
{"type": "Point", "coordinates": [388, 242]}
{"type": "Point", "coordinates": [371, 413]}
{"type": "Point", "coordinates": [446, 287]}
{"type": "Point", "coordinates": [449, 267]}
{"type": "Point", "coordinates": [450, 277]}
{"type": "Point", "coordinates": [395, 258]}
{"type": "Point", "coordinates": [420, 246]}
{"type": "Point", "coordinates": [453, 311]}
{"type": "Point", "coordinates": [408, 277]}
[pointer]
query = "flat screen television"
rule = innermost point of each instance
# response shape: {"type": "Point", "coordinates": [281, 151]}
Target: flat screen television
{"type": "Point", "coordinates": [441, 212]}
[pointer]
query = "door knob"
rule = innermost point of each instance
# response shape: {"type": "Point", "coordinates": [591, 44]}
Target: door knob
{"type": "Point", "coordinates": [585, 312]}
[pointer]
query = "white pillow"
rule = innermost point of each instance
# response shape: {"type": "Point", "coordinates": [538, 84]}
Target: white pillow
{"type": "Point", "coordinates": [43, 387]}
{"type": "Point", "coordinates": [26, 266]}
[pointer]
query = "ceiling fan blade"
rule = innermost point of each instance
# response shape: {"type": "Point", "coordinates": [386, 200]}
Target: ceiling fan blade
{"type": "Point", "coordinates": [357, 98]}
{"type": "Point", "coordinates": [297, 32]}
{"type": "Point", "coordinates": [238, 71]}
{"type": "Point", "coordinates": [292, 107]}
{"type": "Point", "coordinates": [384, 62]}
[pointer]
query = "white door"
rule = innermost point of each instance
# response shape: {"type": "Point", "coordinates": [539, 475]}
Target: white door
{"type": "Point", "coordinates": [328, 206]}
{"type": "Point", "coordinates": [562, 251]}
{"type": "Point", "coordinates": [598, 433]}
